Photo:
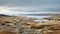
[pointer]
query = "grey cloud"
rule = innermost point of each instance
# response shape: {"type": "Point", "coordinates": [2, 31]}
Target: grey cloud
{"type": "Point", "coordinates": [54, 9]}
{"type": "Point", "coordinates": [15, 2]}
{"type": "Point", "coordinates": [33, 3]}
{"type": "Point", "coordinates": [27, 2]}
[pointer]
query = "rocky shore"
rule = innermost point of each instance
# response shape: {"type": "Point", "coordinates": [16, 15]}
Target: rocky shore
{"type": "Point", "coordinates": [25, 25]}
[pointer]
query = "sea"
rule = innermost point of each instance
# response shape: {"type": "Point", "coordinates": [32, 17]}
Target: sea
{"type": "Point", "coordinates": [35, 17]}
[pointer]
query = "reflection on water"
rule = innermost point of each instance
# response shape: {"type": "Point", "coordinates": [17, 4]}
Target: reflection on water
{"type": "Point", "coordinates": [36, 17]}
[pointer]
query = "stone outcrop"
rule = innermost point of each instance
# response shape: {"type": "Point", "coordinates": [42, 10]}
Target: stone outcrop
{"type": "Point", "coordinates": [7, 32]}
{"type": "Point", "coordinates": [15, 23]}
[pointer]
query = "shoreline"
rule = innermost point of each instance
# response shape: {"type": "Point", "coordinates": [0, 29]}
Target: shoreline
{"type": "Point", "coordinates": [20, 22]}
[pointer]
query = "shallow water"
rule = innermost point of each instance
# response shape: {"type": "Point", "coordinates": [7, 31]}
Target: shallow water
{"type": "Point", "coordinates": [36, 17]}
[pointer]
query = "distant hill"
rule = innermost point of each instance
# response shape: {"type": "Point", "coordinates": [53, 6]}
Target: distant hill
{"type": "Point", "coordinates": [4, 15]}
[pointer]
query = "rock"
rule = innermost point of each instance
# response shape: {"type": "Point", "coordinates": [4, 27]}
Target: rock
{"type": "Point", "coordinates": [7, 32]}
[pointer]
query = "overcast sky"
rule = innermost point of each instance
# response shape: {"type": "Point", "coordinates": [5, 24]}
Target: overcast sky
{"type": "Point", "coordinates": [29, 6]}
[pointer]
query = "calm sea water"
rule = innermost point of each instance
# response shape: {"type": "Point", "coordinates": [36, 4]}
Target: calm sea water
{"type": "Point", "coordinates": [36, 17]}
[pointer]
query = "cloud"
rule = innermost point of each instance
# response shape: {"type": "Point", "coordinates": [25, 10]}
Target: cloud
{"type": "Point", "coordinates": [16, 10]}
{"type": "Point", "coordinates": [14, 7]}
{"type": "Point", "coordinates": [5, 10]}
{"type": "Point", "coordinates": [28, 2]}
{"type": "Point", "coordinates": [23, 10]}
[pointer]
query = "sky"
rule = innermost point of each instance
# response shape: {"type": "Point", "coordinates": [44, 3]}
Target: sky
{"type": "Point", "coordinates": [14, 7]}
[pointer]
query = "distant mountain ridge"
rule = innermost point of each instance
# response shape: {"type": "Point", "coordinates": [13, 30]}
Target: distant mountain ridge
{"type": "Point", "coordinates": [4, 15]}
